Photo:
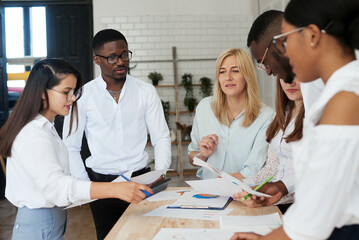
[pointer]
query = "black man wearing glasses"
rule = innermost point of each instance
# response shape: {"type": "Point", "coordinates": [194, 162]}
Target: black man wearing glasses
{"type": "Point", "coordinates": [115, 112]}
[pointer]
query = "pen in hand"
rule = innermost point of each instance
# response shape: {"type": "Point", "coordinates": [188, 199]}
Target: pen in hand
{"type": "Point", "coordinates": [128, 180]}
{"type": "Point", "coordinates": [257, 188]}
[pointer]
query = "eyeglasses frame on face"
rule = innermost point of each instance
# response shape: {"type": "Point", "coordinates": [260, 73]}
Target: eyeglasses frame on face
{"type": "Point", "coordinates": [68, 95]}
{"type": "Point", "coordinates": [261, 66]}
{"type": "Point", "coordinates": [129, 56]}
{"type": "Point", "coordinates": [280, 36]}
{"type": "Point", "coordinates": [275, 38]}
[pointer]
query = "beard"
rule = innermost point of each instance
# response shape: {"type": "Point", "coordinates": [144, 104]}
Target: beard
{"type": "Point", "coordinates": [286, 67]}
{"type": "Point", "coordinates": [121, 77]}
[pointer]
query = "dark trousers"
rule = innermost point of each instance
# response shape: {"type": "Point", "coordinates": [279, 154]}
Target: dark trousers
{"type": "Point", "coordinates": [106, 212]}
{"type": "Point", "coordinates": [284, 207]}
{"type": "Point", "coordinates": [350, 232]}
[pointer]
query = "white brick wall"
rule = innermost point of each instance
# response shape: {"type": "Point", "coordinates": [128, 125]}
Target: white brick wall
{"type": "Point", "coordinates": [196, 36]}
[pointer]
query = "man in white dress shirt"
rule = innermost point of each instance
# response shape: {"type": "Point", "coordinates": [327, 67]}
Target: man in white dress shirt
{"type": "Point", "coordinates": [261, 46]}
{"type": "Point", "coordinates": [115, 112]}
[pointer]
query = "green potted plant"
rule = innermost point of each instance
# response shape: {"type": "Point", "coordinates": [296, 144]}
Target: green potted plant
{"type": "Point", "coordinates": [166, 109]}
{"type": "Point", "coordinates": [155, 77]}
{"type": "Point", "coordinates": [189, 101]}
{"type": "Point", "coordinates": [206, 87]}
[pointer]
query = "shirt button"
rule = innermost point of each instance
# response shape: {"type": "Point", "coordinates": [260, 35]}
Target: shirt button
{"type": "Point", "coordinates": [17, 226]}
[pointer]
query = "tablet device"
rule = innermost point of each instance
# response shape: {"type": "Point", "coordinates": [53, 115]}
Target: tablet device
{"type": "Point", "coordinates": [160, 185]}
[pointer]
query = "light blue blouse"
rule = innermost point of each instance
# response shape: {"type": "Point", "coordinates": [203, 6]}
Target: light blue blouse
{"type": "Point", "coordinates": [240, 149]}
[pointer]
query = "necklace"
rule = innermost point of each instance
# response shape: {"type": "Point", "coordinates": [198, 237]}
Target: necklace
{"type": "Point", "coordinates": [233, 116]}
{"type": "Point", "coordinates": [114, 94]}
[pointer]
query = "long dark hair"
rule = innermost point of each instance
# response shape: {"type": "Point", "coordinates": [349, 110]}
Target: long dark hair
{"type": "Point", "coordinates": [281, 121]}
{"type": "Point", "coordinates": [338, 18]}
{"type": "Point", "coordinates": [45, 75]}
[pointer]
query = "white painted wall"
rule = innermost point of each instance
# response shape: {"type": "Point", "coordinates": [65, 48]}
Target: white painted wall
{"type": "Point", "coordinates": [265, 5]}
{"type": "Point", "coordinates": [103, 8]}
{"type": "Point", "coordinates": [197, 28]}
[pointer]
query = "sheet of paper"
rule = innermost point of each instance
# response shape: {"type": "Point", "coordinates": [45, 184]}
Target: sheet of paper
{"type": "Point", "coordinates": [194, 199]}
{"type": "Point", "coordinates": [262, 230]}
{"type": "Point", "coordinates": [149, 177]}
{"type": "Point", "coordinates": [119, 179]}
{"type": "Point", "coordinates": [192, 234]}
{"type": "Point", "coordinates": [213, 215]}
{"type": "Point", "coordinates": [204, 233]}
{"type": "Point", "coordinates": [167, 195]}
{"type": "Point", "coordinates": [218, 186]}
{"type": "Point", "coordinates": [270, 220]}
{"type": "Point", "coordinates": [230, 180]}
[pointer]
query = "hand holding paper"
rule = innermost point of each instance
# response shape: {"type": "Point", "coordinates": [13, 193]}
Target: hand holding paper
{"type": "Point", "coordinates": [144, 179]}
{"type": "Point", "coordinates": [229, 183]}
{"type": "Point", "coordinates": [257, 188]}
{"type": "Point", "coordinates": [149, 177]}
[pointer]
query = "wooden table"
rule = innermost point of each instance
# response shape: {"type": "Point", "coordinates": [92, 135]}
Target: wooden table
{"type": "Point", "coordinates": [133, 225]}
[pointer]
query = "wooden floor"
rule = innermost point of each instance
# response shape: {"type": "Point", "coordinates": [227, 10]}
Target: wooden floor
{"type": "Point", "coordinates": [80, 224]}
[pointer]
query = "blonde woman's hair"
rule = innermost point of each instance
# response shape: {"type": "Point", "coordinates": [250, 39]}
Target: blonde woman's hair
{"type": "Point", "coordinates": [253, 102]}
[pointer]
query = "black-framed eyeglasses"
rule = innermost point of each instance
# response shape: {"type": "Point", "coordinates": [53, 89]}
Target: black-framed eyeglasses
{"type": "Point", "coordinates": [68, 94]}
{"type": "Point", "coordinates": [280, 41]}
{"type": "Point", "coordinates": [261, 66]}
{"type": "Point", "coordinates": [126, 56]}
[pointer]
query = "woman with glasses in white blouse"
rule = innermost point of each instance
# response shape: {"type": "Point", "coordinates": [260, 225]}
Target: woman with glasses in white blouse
{"type": "Point", "coordinates": [37, 177]}
{"type": "Point", "coordinates": [319, 37]}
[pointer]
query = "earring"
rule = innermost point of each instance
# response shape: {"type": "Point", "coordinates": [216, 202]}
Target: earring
{"type": "Point", "coordinates": [312, 44]}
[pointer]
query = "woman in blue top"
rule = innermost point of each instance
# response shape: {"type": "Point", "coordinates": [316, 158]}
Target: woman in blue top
{"type": "Point", "coordinates": [229, 129]}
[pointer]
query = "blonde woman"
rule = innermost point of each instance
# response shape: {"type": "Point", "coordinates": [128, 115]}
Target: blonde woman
{"type": "Point", "coordinates": [229, 129]}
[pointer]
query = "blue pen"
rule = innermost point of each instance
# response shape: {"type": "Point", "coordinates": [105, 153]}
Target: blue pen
{"type": "Point", "coordinates": [128, 180]}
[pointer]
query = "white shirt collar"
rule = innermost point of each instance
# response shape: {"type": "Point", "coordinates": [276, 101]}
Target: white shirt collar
{"type": "Point", "coordinates": [103, 85]}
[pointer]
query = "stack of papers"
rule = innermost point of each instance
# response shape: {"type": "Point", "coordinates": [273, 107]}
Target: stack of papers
{"type": "Point", "coordinates": [193, 233]}
{"type": "Point", "coordinates": [204, 233]}
{"type": "Point", "coordinates": [200, 214]}
{"type": "Point", "coordinates": [197, 200]}
{"type": "Point", "coordinates": [227, 185]}
{"type": "Point", "coordinates": [270, 220]}
{"type": "Point", "coordinates": [167, 195]}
